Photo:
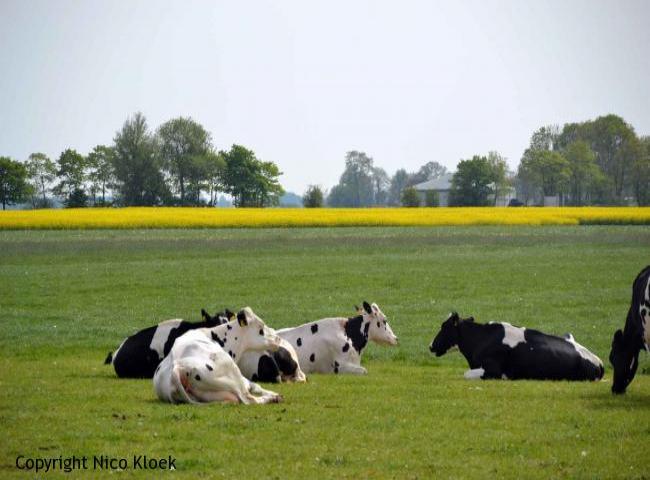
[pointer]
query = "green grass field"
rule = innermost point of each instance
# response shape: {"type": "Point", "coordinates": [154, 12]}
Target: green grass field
{"type": "Point", "coordinates": [68, 297]}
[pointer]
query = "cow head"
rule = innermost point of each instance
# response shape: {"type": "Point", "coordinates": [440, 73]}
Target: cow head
{"type": "Point", "coordinates": [254, 332]}
{"type": "Point", "coordinates": [448, 335]}
{"type": "Point", "coordinates": [219, 318]}
{"type": "Point", "coordinates": [379, 330]}
{"type": "Point", "coordinates": [624, 357]}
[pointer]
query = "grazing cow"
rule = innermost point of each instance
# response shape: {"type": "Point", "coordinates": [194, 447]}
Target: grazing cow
{"type": "Point", "coordinates": [334, 345]}
{"type": "Point", "coordinates": [627, 343]}
{"type": "Point", "coordinates": [140, 354]}
{"type": "Point", "coordinates": [199, 370]}
{"type": "Point", "coordinates": [280, 366]}
{"type": "Point", "coordinates": [501, 350]}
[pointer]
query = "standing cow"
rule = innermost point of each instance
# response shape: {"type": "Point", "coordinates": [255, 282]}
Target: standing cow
{"type": "Point", "coordinates": [500, 350]}
{"type": "Point", "coordinates": [140, 354]}
{"type": "Point", "coordinates": [627, 343]}
{"type": "Point", "coordinates": [198, 369]}
{"type": "Point", "coordinates": [334, 345]}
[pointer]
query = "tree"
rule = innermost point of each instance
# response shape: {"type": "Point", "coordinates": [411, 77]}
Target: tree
{"type": "Point", "coordinates": [641, 173]}
{"type": "Point", "coordinates": [470, 185]}
{"type": "Point", "coordinates": [42, 172]}
{"type": "Point", "coordinates": [183, 145]}
{"type": "Point", "coordinates": [137, 166]}
{"type": "Point", "coordinates": [397, 184]}
{"type": "Point", "coordinates": [428, 171]}
{"type": "Point", "coordinates": [431, 199]}
{"type": "Point", "coordinates": [215, 167]}
{"type": "Point", "coordinates": [251, 182]}
{"type": "Point", "coordinates": [71, 173]}
{"type": "Point", "coordinates": [545, 138]}
{"type": "Point", "coordinates": [410, 197]}
{"type": "Point", "coordinates": [101, 174]}
{"type": "Point", "coordinates": [313, 197]}
{"type": "Point", "coordinates": [361, 184]}
{"type": "Point", "coordinates": [583, 171]}
{"type": "Point", "coordinates": [499, 173]}
{"type": "Point", "coordinates": [13, 182]}
{"type": "Point", "coordinates": [548, 171]}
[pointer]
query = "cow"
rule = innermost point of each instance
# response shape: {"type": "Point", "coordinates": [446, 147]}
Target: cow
{"type": "Point", "coordinates": [199, 369]}
{"type": "Point", "coordinates": [627, 343]}
{"type": "Point", "coordinates": [498, 350]}
{"type": "Point", "coordinates": [274, 367]}
{"type": "Point", "coordinates": [334, 345]}
{"type": "Point", "coordinates": [139, 355]}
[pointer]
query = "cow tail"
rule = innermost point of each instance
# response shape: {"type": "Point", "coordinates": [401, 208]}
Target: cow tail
{"type": "Point", "coordinates": [109, 359]}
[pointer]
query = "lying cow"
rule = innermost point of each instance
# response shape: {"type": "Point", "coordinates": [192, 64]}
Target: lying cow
{"type": "Point", "coordinates": [627, 343]}
{"type": "Point", "coordinates": [139, 355]}
{"type": "Point", "coordinates": [334, 345]}
{"type": "Point", "coordinates": [279, 366]}
{"type": "Point", "coordinates": [199, 370]}
{"type": "Point", "coordinates": [501, 350]}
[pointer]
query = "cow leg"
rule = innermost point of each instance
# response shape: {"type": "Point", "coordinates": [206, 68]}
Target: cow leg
{"type": "Point", "coordinates": [261, 395]}
{"type": "Point", "coordinates": [353, 369]}
{"type": "Point", "coordinates": [474, 374]}
{"type": "Point", "coordinates": [492, 370]}
{"type": "Point", "coordinates": [222, 396]}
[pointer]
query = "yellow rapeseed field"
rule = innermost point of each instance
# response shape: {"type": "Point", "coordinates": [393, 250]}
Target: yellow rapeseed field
{"type": "Point", "coordinates": [148, 217]}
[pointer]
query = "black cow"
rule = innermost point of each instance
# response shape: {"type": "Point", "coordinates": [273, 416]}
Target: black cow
{"type": "Point", "coordinates": [139, 355]}
{"type": "Point", "coordinates": [627, 343]}
{"type": "Point", "coordinates": [500, 350]}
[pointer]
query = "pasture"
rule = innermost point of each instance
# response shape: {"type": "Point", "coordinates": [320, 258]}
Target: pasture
{"type": "Point", "coordinates": [68, 297]}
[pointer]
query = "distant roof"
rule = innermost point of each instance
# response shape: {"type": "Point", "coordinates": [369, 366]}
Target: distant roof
{"type": "Point", "coordinates": [441, 183]}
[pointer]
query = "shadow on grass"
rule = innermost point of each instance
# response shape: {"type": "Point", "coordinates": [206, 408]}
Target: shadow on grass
{"type": "Point", "coordinates": [608, 400]}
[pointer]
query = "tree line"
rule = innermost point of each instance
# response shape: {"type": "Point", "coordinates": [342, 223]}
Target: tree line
{"type": "Point", "coordinates": [597, 162]}
{"type": "Point", "coordinates": [176, 165]}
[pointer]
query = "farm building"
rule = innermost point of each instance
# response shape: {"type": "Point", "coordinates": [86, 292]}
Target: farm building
{"type": "Point", "coordinates": [442, 185]}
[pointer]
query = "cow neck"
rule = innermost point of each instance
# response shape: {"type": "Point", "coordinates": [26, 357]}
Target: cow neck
{"type": "Point", "coordinates": [356, 329]}
{"type": "Point", "coordinates": [468, 338]}
{"type": "Point", "coordinates": [229, 336]}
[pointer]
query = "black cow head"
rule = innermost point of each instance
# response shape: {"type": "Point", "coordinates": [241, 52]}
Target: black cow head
{"type": "Point", "coordinates": [624, 357]}
{"type": "Point", "coordinates": [218, 319]}
{"type": "Point", "coordinates": [447, 336]}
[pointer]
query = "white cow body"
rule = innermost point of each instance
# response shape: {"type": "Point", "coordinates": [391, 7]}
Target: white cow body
{"type": "Point", "coordinates": [199, 370]}
{"type": "Point", "coordinates": [334, 345]}
{"type": "Point", "coordinates": [249, 364]}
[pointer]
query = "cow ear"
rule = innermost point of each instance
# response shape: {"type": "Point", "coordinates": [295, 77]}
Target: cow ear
{"type": "Point", "coordinates": [229, 315]}
{"type": "Point", "coordinates": [367, 308]}
{"type": "Point", "coordinates": [241, 318]}
{"type": "Point", "coordinates": [618, 335]}
{"type": "Point", "coordinates": [454, 318]}
{"type": "Point", "coordinates": [204, 315]}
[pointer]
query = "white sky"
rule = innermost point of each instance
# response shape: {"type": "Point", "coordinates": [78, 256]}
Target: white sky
{"type": "Point", "coordinates": [303, 82]}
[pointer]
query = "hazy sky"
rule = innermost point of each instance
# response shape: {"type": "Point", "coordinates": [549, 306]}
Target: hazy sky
{"type": "Point", "coordinates": [303, 82]}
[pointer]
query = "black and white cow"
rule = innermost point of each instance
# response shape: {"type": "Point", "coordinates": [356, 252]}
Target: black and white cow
{"type": "Point", "coordinates": [200, 368]}
{"type": "Point", "coordinates": [627, 343]}
{"type": "Point", "coordinates": [501, 350]}
{"type": "Point", "coordinates": [139, 355]}
{"type": "Point", "coordinates": [334, 345]}
{"type": "Point", "coordinates": [282, 365]}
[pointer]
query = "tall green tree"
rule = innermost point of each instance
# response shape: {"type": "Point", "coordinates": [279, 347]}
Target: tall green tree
{"type": "Point", "coordinates": [471, 184]}
{"type": "Point", "coordinates": [398, 183]}
{"type": "Point", "coordinates": [137, 165]}
{"type": "Point", "coordinates": [42, 172]}
{"type": "Point", "coordinates": [641, 173]}
{"type": "Point", "coordinates": [584, 173]}
{"type": "Point", "coordinates": [100, 171]}
{"type": "Point", "coordinates": [183, 146]}
{"type": "Point", "coordinates": [215, 168]}
{"type": "Point", "coordinates": [548, 170]}
{"type": "Point", "coordinates": [361, 184]}
{"type": "Point", "coordinates": [313, 197]}
{"type": "Point", "coordinates": [14, 187]}
{"type": "Point", "coordinates": [71, 173]}
{"type": "Point", "coordinates": [428, 171]}
{"type": "Point", "coordinates": [499, 173]}
{"type": "Point", "coordinates": [251, 182]}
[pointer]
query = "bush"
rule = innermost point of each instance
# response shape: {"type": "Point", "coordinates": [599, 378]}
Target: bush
{"type": "Point", "coordinates": [313, 197]}
{"type": "Point", "coordinates": [410, 197]}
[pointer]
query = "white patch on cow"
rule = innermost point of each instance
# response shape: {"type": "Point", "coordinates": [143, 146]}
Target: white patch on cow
{"type": "Point", "coordinates": [161, 335]}
{"type": "Point", "coordinates": [513, 335]}
{"type": "Point", "coordinates": [584, 353]}
{"type": "Point", "coordinates": [644, 313]}
{"type": "Point", "coordinates": [474, 374]}
{"type": "Point", "coordinates": [118, 349]}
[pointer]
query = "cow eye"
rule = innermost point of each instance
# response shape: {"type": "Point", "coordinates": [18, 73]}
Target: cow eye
{"type": "Point", "coordinates": [261, 331]}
